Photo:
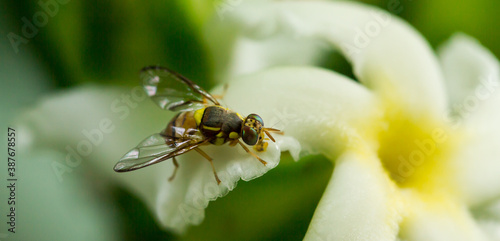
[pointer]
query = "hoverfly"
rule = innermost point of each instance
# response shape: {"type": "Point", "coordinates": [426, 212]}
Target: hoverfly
{"type": "Point", "coordinates": [201, 121]}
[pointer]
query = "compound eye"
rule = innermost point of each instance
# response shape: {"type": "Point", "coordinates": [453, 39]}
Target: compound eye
{"type": "Point", "coordinates": [249, 135]}
{"type": "Point", "coordinates": [257, 118]}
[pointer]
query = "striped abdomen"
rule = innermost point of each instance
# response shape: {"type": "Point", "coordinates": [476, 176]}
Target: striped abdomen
{"type": "Point", "coordinates": [183, 127]}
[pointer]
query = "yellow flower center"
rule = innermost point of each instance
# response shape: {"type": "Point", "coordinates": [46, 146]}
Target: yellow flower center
{"type": "Point", "coordinates": [415, 151]}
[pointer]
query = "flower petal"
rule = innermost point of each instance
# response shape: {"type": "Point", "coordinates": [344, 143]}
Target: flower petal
{"type": "Point", "coordinates": [94, 127]}
{"type": "Point", "coordinates": [478, 162]}
{"type": "Point", "coordinates": [473, 78]}
{"type": "Point", "coordinates": [182, 202]}
{"type": "Point", "coordinates": [73, 123]}
{"type": "Point", "coordinates": [470, 71]}
{"type": "Point", "coordinates": [491, 229]}
{"type": "Point", "coordinates": [444, 220]}
{"type": "Point", "coordinates": [326, 112]}
{"type": "Point", "coordinates": [358, 204]}
{"type": "Point", "coordinates": [387, 54]}
{"type": "Point", "coordinates": [45, 206]}
{"type": "Point", "coordinates": [488, 218]}
{"type": "Point", "coordinates": [285, 98]}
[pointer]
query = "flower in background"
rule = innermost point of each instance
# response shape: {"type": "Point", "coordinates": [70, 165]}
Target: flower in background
{"type": "Point", "coordinates": [414, 144]}
{"type": "Point", "coordinates": [37, 206]}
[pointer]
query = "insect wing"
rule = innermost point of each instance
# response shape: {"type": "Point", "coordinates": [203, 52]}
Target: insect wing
{"type": "Point", "coordinates": [153, 150]}
{"type": "Point", "coordinates": [172, 91]}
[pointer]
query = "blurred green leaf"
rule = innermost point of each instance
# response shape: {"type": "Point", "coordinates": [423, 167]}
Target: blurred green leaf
{"type": "Point", "coordinates": [109, 42]}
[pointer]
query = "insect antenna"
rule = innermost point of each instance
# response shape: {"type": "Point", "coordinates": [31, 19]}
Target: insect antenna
{"type": "Point", "coordinates": [270, 129]}
{"type": "Point", "coordinates": [266, 130]}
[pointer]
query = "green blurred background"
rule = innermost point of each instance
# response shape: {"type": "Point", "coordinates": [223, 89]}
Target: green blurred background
{"type": "Point", "coordinates": [107, 42]}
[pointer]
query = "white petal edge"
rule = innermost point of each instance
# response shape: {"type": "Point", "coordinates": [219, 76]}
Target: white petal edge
{"type": "Point", "coordinates": [182, 202]}
{"type": "Point", "coordinates": [359, 203]}
{"type": "Point", "coordinates": [473, 77]}
{"type": "Point", "coordinates": [387, 54]}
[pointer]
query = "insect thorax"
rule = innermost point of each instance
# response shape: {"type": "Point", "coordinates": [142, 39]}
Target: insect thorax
{"type": "Point", "coordinates": [219, 123]}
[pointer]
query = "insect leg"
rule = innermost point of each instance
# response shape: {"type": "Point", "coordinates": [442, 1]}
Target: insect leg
{"type": "Point", "coordinates": [233, 142]}
{"type": "Point", "coordinates": [211, 163]}
{"type": "Point", "coordinates": [251, 153]}
{"type": "Point", "coordinates": [175, 170]}
{"type": "Point", "coordinates": [261, 146]}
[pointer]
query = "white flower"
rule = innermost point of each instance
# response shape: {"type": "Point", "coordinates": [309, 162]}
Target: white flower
{"type": "Point", "coordinates": [415, 145]}
{"type": "Point", "coordinates": [36, 206]}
